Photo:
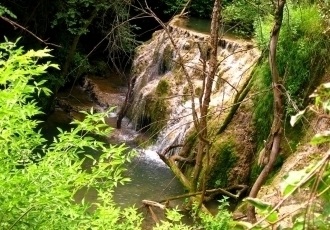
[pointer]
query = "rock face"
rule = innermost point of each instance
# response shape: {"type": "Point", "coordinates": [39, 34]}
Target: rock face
{"type": "Point", "coordinates": [97, 92]}
{"type": "Point", "coordinates": [161, 100]}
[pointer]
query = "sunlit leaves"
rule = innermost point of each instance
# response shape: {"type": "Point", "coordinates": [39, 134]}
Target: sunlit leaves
{"type": "Point", "coordinates": [5, 11]}
{"type": "Point", "coordinates": [173, 221]}
{"type": "Point", "coordinates": [321, 137]}
{"type": "Point", "coordinates": [289, 184]}
{"type": "Point", "coordinates": [39, 182]}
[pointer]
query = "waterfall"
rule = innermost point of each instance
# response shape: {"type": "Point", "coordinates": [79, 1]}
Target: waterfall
{"type": "Point", "coordinates": [157, 60]}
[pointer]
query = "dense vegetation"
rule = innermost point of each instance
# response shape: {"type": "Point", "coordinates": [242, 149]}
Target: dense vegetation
{"type": "Point", "coordinates": [80, 32]}
{"type": "Point", "coordinates": [40, 181]}
{"type": "Point", "coordinates": [49, 175]}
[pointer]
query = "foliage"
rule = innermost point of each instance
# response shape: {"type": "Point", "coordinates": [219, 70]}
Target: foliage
{"type": "Point", "coordinates": [315, 210]}
{"type": "Point", "coordinates": [48, 176]}
{"type": "Point", "coordinates": [63, 23]}
{"type": "Point", "coordinates": [302, 47]}
{"type": "Point", "coordinates": [173, 221]}
{"type": "Point", "coordinates": [5, 11]}
{"type": "Point", "coordinates": [222, 220]}
{"type": "Point", "coordinates": [197, 8]}
{"type": "Point", "coordinates": [75, 14]}
{"type": "Point", "coordinates": [239, 16]}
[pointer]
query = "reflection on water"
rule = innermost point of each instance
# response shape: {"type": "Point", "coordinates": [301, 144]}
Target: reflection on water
{"type": "Point", "coordinates": [202, 25]}
{"type": "Point", "coordinates": [198, 24]}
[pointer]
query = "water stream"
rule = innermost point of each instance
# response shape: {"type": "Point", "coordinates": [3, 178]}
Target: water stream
{"type": "Point", "coordinates": [150, 177]}
{"type": "Point", "coordinates": [236, 60]}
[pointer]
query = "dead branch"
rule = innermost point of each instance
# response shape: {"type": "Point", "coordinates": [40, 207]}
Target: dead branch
{"type": "Point", "coordinates": [182, 159]}
{"type": "Point", "coordinates": [210, 192]}
{"type": "Point", "coordinates": [153, 215]}
{"type": "Point", "coordinates": [176, 170]}
{"type": "Point", "coordinates": [15, 24]}
{"type": "Point", "coordinates": [154, 204]}
{"type": "Point", "coordinates": [184, 8]}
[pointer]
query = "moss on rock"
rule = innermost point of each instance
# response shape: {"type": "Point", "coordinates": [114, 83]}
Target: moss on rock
{"type": "Point", "coordinates": [155, 114]}
{"type": "Point", "coordinates": [163, 88]}
{"type": "Point", "coordinates": [225, 158]}
{"type": "Point", "coordinates": [166, 61]}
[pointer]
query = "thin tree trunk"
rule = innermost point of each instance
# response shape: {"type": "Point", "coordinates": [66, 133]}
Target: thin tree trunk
{"type": "Point", "coordinates": [204, 144]}
{"type": "Point", "coordinates": [74, 44]}
{"type": "Point", "coordinates": [127, 103]}
{"type": "Point", "coordinates": [274, 140]}
{"type": "Point", "coordinates": [184, 8]}
{"type": "Point", "coordinates": [200, 122]}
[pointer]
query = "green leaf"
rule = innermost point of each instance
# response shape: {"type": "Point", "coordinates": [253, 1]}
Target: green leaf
{"type": "Point", "coordinates": [273, 217]}
{"type": "Point", "coordinates": [258, 203]}
{"type": "Point", "coordinates": [245, 225]}
{"type": "Point", "coordinates": [321, 138]}
{"type": "Point", "coordinates": [291, 181]}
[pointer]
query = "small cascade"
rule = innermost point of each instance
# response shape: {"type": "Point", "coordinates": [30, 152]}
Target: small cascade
{"type": "Point", "coordinates": [157, 61]}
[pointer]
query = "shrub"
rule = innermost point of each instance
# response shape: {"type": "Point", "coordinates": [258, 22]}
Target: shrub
{"type": "Point", "coordinates": [302, 47]}
{"type": "Point", "coordinates": [38, 181]}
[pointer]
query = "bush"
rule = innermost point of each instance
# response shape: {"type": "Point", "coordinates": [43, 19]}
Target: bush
{"type": "Point", "coordinates": [302, 47]}
{"type": "Point", "coordinates": [38, 181]}
{"type": "Point", "coordinates": [198, 8]}
{"type": "Point", "coordinates": [239, 16]}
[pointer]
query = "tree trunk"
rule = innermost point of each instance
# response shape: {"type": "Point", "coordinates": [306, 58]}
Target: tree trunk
{"type": "Point", "coordinates": [127, 103]}
{"type": "Point", "coordinates": [74, 44]}
{"type": "Point", "coordinates": [202, 129]}
{"type": "Point", "coordinates": [200, 121]}
{"type": "Point", "coordinates": [274, 139]}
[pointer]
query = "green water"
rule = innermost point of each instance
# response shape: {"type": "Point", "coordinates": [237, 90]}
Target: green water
{"type": "Point", "coordinates": [203, 26]}
{"type": "Point", "coordinates": [198, 25]}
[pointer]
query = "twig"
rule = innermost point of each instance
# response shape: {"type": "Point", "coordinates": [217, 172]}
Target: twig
{"type": "Point", "coordinates": [28, 31]}
{"type": "Point", "coordinates": [16, 221]}
{"type": "Point", "coordinates": [153, 203]}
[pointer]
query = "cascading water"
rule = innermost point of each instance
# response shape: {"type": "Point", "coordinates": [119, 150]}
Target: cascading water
{"type": "Point", "coordinates": [158, 60]}
{"type": "Point", "coordinates": [144, 171]}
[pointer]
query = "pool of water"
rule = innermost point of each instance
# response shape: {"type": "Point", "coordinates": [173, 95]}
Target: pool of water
{"type": "Point", "coordinates": [198, 24]}
{"type": "Point", "coordinates": [150, 178]}
{"type": "Point", "coordinates": [202, 25]}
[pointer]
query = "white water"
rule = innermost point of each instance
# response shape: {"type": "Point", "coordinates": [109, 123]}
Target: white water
{"type": "Point", "coordinates": [236, 59]}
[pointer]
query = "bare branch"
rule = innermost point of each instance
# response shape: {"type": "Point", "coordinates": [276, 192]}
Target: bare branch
{"type": "Point", "coordinates": [15, 24]}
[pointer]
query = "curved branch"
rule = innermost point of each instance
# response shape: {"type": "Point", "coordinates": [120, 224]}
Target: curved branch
{"type": "Point", "coordinates": [274, 140]}
{"type": "Point", "coordinates": [15, 24]}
